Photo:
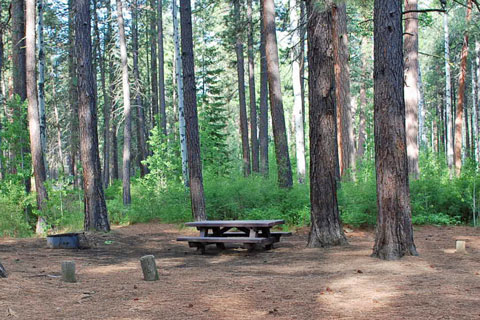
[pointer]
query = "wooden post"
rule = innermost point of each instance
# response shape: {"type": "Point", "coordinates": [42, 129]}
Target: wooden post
{"type": "Point", "coordinates": [149, 268]}
{"type": "Point", "coordinates": [460, 246]}
{"type": "Point", "coordinates": [68, 271]}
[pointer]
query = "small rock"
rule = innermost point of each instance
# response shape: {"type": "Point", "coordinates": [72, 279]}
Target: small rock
{"type": "Point", "coordinates": [359, 271]}
{"type": "Point", "coordinates": [135, 286]}
{"type": "Point", "coordinates": [190, 305]}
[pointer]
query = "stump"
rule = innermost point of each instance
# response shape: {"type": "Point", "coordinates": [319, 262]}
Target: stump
{"type": "Point", "coordinates": [149, 268]}
{"type": "Point", "coordinates": [3, 272]}
{"type": "Point", "coordinates": [68, 271]}
{"type": "Point", "coordinates": [460, 246]}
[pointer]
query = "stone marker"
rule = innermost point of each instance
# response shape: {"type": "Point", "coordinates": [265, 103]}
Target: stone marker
{"type": "Point", "coordinates": [68, 271]}
{"type": "Point", "coordinates": [149, 268]}
{"type": "Point", "coordinates": [460, 246]}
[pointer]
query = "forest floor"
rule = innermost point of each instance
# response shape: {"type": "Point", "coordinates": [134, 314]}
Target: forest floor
{"type": "Point", "coordinates": [289, 282]}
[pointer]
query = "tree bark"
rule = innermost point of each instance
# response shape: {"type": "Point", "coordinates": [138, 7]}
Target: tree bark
{"type": "Point", "coordinates": [363, 105]}
{"type": "Point", "coordinates": [96, 216]}
{"type": "Point", "coordinates": [191, 117]}
{"type": "Point", "coordinates": [153, 62]}
{"type": "Point", "coordinates": [346, 152]}
{"type": "Point", "coordinates": [161, 71]}
{"type": "Point", "coordinates": [461, 95]}
{"type": "Point", "coordinates": [326, 228]}
{"type": "Point", "coordinates": [477, 116]}
{"type": "Point", "coordinates": [448, 94]}
{"type": "Point", "coordinates": [127, 129]}
{"type": "Point", "coordinates": [251, 88]}
{"type": "Point", "coordinates": [263, 118]}
{"type": "Point", "coordinates": [394, 234]}
{"type": "Point", "coordinates": [41, 85]}
{"type": "Point", "coordinates": [73, 95]}
{"type": "Point", "coordinates": [297, 60]}
{"type": "Point", "coordinates": [411, 67]}
{"type": "Point", "coordinates": [181, 109]}
{"type": "Point", "coordinates": [141, 132]}
{"type": "Point", "coordinates": [276, 104]}
{"type": "Point", "coordinates": [241, 90]}
{"type": "Point", "coordinates": [38, 162]}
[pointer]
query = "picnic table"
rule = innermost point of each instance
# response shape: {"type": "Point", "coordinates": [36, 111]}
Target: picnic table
{"type": "Point", "coordinates": [249, 233]}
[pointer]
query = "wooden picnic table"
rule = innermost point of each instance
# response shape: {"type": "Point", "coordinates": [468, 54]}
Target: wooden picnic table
{"type": "Point", "coordinates": [249, 232]}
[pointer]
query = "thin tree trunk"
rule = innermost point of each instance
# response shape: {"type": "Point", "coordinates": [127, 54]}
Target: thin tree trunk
{"type": "Point", "coordinates": [346, 152]}
{"type": "Point", "coordinates": [141, 134]}
{"type": "Point", "coordinates": [161, 71]}
{"type": "Point", "coordinates": [38, 162]}
{"type": "Point", "coordinates": [477, 117]}
{"type": "Point", "coordinates": [297, 92]}
{"type": "Point", "coordinates": [263, 119]}
{"type": "Point", "coordinates": [73, 95]}
{"type": "Point", "coordinates": [422, 127]}
{"type": "Point", "coordinates": [153, 62]}
{"type": "Point", "coordinates": [276, 104]}
{"type": "Point", "coordinates": [363, 105]}
{"type": "Point", "coordinates": [2, 97]}
{"type": "Point", "coordinates": [127, 130]}
{"type": "Point", "coordinates": [326, 228]}
{"type": "Point", "coordinates": [241, 91]}
{"type": "Point", "coordinates": [466, 133]}
{"type": "Point", "coordinates": [181, 110]}
{"type": "Point", "coordinates": [96, 216]}
{"type": "Point", "coordinates": [448, 94]}
{"type": "Point", "coordinates": [394, 234]}
{"type": "Point", "coordinates": [41, 85]}
{"type": "Point", "coordinates": [461, 94]}
{"type": "Point", "coordinates": [193, 139]}
{"type": "Point", "coordinates": [57, 121]}
{"type": "Point", "coordinates": [251, 88]}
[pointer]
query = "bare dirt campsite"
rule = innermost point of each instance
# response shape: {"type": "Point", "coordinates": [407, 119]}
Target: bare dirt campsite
{"type": "Point", "coordinates": [288, 282]}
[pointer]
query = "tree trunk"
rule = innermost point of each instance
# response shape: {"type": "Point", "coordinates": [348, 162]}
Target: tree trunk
{"type": "Point", "coordinates": [411, 67]}
{"type": "Point", "coordinates": [141, 133]}
{"type": "Point", "coordinates": [181, 109]}
{"type": "Point", "coordinates": [161, 71]}
{"type": "Point", "coordinates": [297, 58]}
{"type": "Point", "coordinates": [57, 121]}
{"type": "Point", "coordinates": [276, 104]}
{"type": "Point", "coordinates": [346, 152]}
{"type": "Point", "coordinates": [363, 105]}
{"type": "Point", "coordinates": [263, 118]}
{"type": "Point", "coordinates": [127, 130]}
{"type": "Point", "coordinates": [422, 127]}
{"type": "Point", "coordinates": [41, 85]}
{"type": "Point", "coordinates": [193, 139]}
{"type": "Point", "coordinates": [96, 216]}
{"type": "Point", "coordinates": [461, 95]}
{"type": "Point", "coordinates": [153, 62]}
{"type": "Point", "coordinates": [477, 116]}
{"type": "Point", "coordinates": [448, 94]}
{"type": "Point", "coordinates": [73, 95]}
{"type": "Point", "coordinates": [326, 228]}
{"type": "Point", "coordinates": [251, 88]}
{"type": "Point", "coordinates": [394, 234]}
{"type": "Point", "coordinates": [38, 162]}
{"type": "Point", "coordinates": [241, 90]}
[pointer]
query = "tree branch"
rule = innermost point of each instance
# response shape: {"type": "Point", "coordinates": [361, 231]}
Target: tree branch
{"type": "Point", "coordinates": [423, 11]}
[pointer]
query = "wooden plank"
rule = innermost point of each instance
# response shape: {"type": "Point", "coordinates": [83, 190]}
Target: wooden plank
{"type": "Point", "coordinates": [242, 234]}
{"type": "Point", "coordinates": [207, 240]}
{"type": "Point", "coordinates": [236, 223]}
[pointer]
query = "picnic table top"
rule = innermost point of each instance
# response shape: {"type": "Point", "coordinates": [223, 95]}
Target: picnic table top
{"type": "Point", "coordinates": [235, 223]}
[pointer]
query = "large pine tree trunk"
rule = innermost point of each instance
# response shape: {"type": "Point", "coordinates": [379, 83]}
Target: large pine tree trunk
{"type": "Point", "coordinates": [461, 95]}
{"type": "Point", "coordinates": [263, 118]}
{"type": "Point", "coordinates": [190, 96]}
{"type": "Point", "coordinates": [297, 58]}
{"type": "Point", "coordinates": [411, 67]}
{"type": "Point", "coordinates": [141, 133]}
{"type": "Point", "coordinates": [276, 104]}
{"type": "Point", "coordinates": [346, 152]}
{"type": "Point", "coordinates": [394, 234]}
{"type": "Point", "coordinates": [38, 162]}
{"type": "Point", "coordinates": [96, 216]}
{"type": "Point", "coordinates": [181, 109]}
{"type": "Point", "coordinates": [161, 71]}
{"type": "Point", "coordinates": [448, 94]}
{"type": "Point", "coordinates": [251, 89]}
{"type": "Point", "coordinates": [127, 131]}
{"type": "Point", "coordinates": [241, 90]}
{"type": "Point", "coordinates": [326, 228]}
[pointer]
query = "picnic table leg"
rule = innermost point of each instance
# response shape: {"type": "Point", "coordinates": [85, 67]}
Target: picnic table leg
{"type": "Point", "coordinates": [201, 248]}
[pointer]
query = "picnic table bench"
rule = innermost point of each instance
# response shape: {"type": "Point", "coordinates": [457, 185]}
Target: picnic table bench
{"type": "Point", "coordinates": [250, 233]}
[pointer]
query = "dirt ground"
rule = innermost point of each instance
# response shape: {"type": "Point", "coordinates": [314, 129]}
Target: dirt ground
{"type": "Point", "coordinates": [289, 282]}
